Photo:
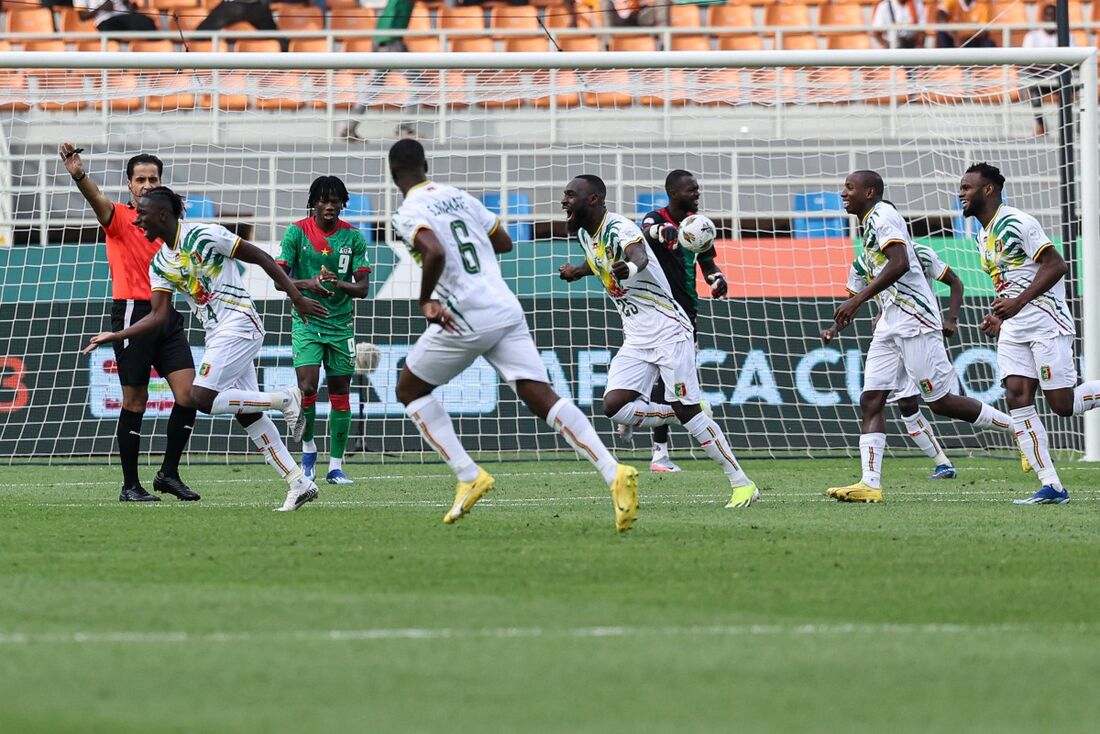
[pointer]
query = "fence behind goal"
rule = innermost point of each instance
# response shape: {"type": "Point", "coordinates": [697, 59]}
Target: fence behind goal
{"type": "Point", "coordinates": [770, 137]}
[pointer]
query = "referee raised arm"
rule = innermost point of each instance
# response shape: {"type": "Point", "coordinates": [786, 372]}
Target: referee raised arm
{"type": "Point", "coordinates": [129, 253]}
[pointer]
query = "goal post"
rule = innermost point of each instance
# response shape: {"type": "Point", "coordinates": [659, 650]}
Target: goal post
{"type": "Point", "coordinates": [769, 135]}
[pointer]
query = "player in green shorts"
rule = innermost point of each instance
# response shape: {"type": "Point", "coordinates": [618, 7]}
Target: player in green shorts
{"type": "Point", "coordinates": [327, 259]}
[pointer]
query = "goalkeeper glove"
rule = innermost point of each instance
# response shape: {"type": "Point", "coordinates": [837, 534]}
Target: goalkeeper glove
{"type": "Point", "coordinates": [718, 285]}
{"type": "Point", "coordinates": [666, 234]}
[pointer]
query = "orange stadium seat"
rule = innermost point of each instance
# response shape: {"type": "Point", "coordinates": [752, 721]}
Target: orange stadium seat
{"type": "Point", "coordinates": [719, 86]}
{"type": "Point", "coordinates": [393, 93]}
{"type": "Point", "coordinates": [528, 43]}
{"type": "Point", "coordinates": [558, 16]}
{"type": "Point", "coordinates": [170, 6]}
{"type": "Point", "coordinates": [995, 83]}
{"type": "Point", "coordinates": [232, 92]}
{"type": "Point", "coordinates": [423, 44]}
{"type": "Point", "coordinates": [613, 83]}
{"type": "Point", "coordinates": [344, 85]}
{"type": "Point", "coordinates": [71, 22]}
{"type": "Point", "coordinates": [352, 19]}
{"type": "Point", "coordinates": [741, 42]}
{"type": "Point", "coordinates": [155, 47]}
{"type": "Point", "coordinates": [685, 16]}
{"type": "Point", "coordinates": [53, 45]}
{"type": "Point", "coordinates": [634, 43]}
{"type": "Point", "coordinates": [207, 45]}
{"type": "Point", "coordinates": [56, 81]}
{"type": "Point", "coordinates": [690, 43]}
{"type": "Point", "coordinates": [723, 17]}
{"type": "Point", "coordinates": [772, 86]}
{"type": "Point", "coordinates": [343, 6]}
{"type": "Point", "coordinates": [29, 20]}
{"type": "Point", "coordinates": [309, 45]}
{"type": "Point", "coordinates": [515, 18]}
{"type": "Point", "coordinates": [564, 78]}
{"type": "Point", "coordinates": [828, 84]}
{"type": "Point", "coordinates": [949, 85]}
{"type": "Point", "coordinates": [12, 84]}
{"type": "Point", "coordinates": [462, 18]}
{"type": "Point", "coordinates": [787, 16]}
{"type": "Point", "coordinates": [580, 43]}
{"type": "Point", "coordinates": [799, 42]}
{"type": "Point", "coordinates": [272, 89]}
{"type": "Point", "coordinates": [420, 18]}
{"type": "Point", "coordinates": [476, 44]}
{"type": "Point", "coordinates": [359, 45]}
{"type": "Point", "coordinates": [842, 14]}
{"type": "Point", "coordinates": [673, 87]}
{"type": "Point", "coordinates": [258, 46]}
{"type": "Point", "coordinates": [510, 82]}
{"type": "Point", "coordinates": [852, 41]}
{"type": "Point", "coordinates": [1002, 14]}
{"type": "Point", "coordinates": [119, 81]}
{"type": "Point", "coordinates": [96, 44]}
{"type": "Point", "coordinates": [300, 18]}
{"type": "Point", "coordinates": [881, 84]}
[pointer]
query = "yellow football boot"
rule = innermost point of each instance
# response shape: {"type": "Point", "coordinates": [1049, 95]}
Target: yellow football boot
{"type": "Point", "coordinates": [858, 492]}
{"type": "Point", "coordinates": [468, 493]}
{"type": "Point", "coordinates": [743, 496]}
{"type": "Point", "coordinates": [624, 495]}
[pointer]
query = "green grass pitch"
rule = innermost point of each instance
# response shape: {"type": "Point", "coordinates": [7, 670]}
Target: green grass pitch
{"type": "Point", "coordinates": [946, 609]}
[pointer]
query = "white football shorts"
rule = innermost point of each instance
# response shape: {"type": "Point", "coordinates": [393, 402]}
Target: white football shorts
{"type": "Point", "coordinates": [894, 360]}
{"type": "Point", "coordinates": [439, 356]}
{"type": "Point", "coordinates": [1048, 359]}
{"type": "Point", "coordinates": [636, 368]}
{"type": "Point", "coordinates": [228, 362]}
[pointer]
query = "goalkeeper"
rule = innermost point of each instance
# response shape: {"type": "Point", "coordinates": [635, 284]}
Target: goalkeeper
{"type": "Point", "coordinates": [661, 230]}
{"type": "Point", "coordinates": [326, 258]}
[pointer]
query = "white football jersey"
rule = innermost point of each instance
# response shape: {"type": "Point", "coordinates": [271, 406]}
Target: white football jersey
{"type": "Point", "coordinates": [651, 315]}
{"type": "Point", "coordinates": [1009, 248]}
{"type": "Point", "coordinates": [471, 285]}
{"type": "Point", "coordinates": [200, 265]}
{"type": "Point", "coordinates": [934, 269]}
{"type": "Point", "coordinates": [908, 306]}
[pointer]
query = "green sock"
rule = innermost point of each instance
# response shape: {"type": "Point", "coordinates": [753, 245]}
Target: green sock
{"type": "Point", "coordinates": [311, 418]}
{"type": "Point", "coordinates": [339, 423]}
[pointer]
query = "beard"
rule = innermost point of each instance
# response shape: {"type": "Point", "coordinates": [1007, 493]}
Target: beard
{"type": "Point", "coordinates": [573, 223]}
{"type": "Point", "coordinates": [970, 209]}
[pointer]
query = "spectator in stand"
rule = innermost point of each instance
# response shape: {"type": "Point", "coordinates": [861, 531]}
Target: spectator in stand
{"type": "Point", "coordinates": [944, 39]}
{"type": "Point", "coordinates": [901, 13]}
{"type": "Point", "coordinates": [256, 13]}
{"type": "Point", "coordinates": [1048, 85]}
{"type": "Point", "coordinates": [115, 15]}
{"type": "Point", "coordinates": [619, 13]}
{"type": "Point", "coordinates": [394, 17]}
{"type": "Point", "coordinates": [974, 12]}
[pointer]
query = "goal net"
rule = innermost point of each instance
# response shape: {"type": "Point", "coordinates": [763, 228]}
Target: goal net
{"type": "Point", "coordinates": [770, 137]}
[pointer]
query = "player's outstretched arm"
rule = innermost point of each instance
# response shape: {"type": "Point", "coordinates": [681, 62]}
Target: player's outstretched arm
{"type": "Point", "coordinates": [897, 263]}
{"type": "Point", "coordinates": [570, 272]}
{"type": "Point", "coordinates": [432, 261]}
{"type": "Point", "coordinates": [101, 205]}
{"type": "Point", "coordinates": [160, 303]}
{"type": "Point", "coordinates": [249, 253]}
{"type": "Point", "coordinates": [951, 320]}
{"type": "Point", "coordinates": [1052, 268]}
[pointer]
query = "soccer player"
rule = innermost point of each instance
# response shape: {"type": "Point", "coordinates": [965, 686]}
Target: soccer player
{"type": "Point", "coordinates": [1030, 318]}
{"type": "Point", "coordinates": [657, 338]}
{"type": "Point", "coordinates": [908, 338]}
{"type": "Point", "coordinates": [326, 258]}
{"type": "Point", "coordinates": [919, 430]}
{"type": "Point", "coordinates": [200, 261]}
{"type": "Point", "coordinates": [166, 349]}
{"type": "Point", "coordinates": [661, 230]}
{"type": "Point", "coordinates": [471, 313]}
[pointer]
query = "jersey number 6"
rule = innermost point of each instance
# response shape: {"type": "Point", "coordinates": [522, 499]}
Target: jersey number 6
{"type": "Point", "coordinates": [466, 249]}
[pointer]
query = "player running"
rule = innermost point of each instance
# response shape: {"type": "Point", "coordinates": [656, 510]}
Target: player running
{"type": "Point", "coordinates": [908, 338]}
{"type": "Point", "coordinates": [326, 259]}
{"type": "Point", "coordinates": [657, 333]}
{"type": "Point", "coordinates": [471, 313]}
{"type": "Point", "coordinates": [166, 350]}
{"type": "Point", "coordinates": [661, 230]}
{"type": "Point", "coordinates": [1031, 320]}
{"type": "Point", "coordinates": [919, 430]}
{"type": "Point", "coordinates": [200, 261]}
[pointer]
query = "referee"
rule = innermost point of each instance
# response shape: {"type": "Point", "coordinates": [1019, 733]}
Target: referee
{"type": "Point", "coordinates": [167, 350]}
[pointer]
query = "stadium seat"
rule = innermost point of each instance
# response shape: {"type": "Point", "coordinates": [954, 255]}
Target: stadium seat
{"type": "Point", "coordinates": [462, 18]}
{"type": "Point", "coordinates": [71, 22]}
{"type": "Point", "coordinates": [818, 201]}
{"type": "Point", "coordinates": [343, 6]}
{"type": "Point", "coordinates": [657, 88]}
{"type": "Point", "coordinates": [29, 20]}
{"type": "Point", "coordinates": [257, 46]}
{"type": "Point", "coordinates": [773, 86]}
{"type": "Point", "coordinates": [607, 88]}
{"type": "Point", "coordinates": [477, 44]}
{"type": "Point", "coordinates": [685, 16]}
{"type": "Point", "coordinates": [96, 44]}
{"type": "Point", "coordinates": [393, 92]}
{"type": "Point", "coordinates": [359, 45]}
{"type": "Point", "coordinates": [309, 45]}
{"type": "Point", "coordinates": [352, 19]}
{"type": "Point", "coordinates": [457, 92]}
{"type": "Point", "coordinates": [502, 88]}
{"type": "Point", "coordinates": [420, 18]}
{"type": "Point", "coordinates": [151, 47]}
{"type": "Point", "coordinates": [13, 84]}
{"type": "Point", "coordinates": [994, 83]}
{"type": "Point", "coordinates": [281, 92]}
{"type": "Point", "coordinates": [174, 6]}
{"type": "Point", "coordinates": [528, 44]}
{"type": "Point", "coordinates": [564, 79]}
{"type": "Point", "coordinates": [559, 16]}
{"type": "Point", "coordinates": [799, 42]}
{"type": "Point", "coordinates": [741, 42]}
{"type": "Point", "coordinates": [852, 41]}
{"type": "Point", "coordinates": [360, 205]}
{"type": "Point", "coordinates": [841, 14]}
{"type": "Point", "coordinates": [423, 44]}
{"type": "Point", "coordinates": [70, 89]}
{"type": "Point", "coordinates": [690, 43]}
{"type": "Point", "coordinates": [300, 18]}
{"type": "Point", "coordinates": [580, 43]}
{"type": "Point", "coordinates": [719, 87]}
{"type": "Point", "coordinates": [519, 203]}
{"type": "Point", "coordinates": [945, 85]}
{"type": "Point", "coordinates": [198, 207]}
{"type": "Point", "coordinates": [345, 90]}
{"type": "Point", "coordinates": [52, 45]}
{"type": "Point", "coordinates": [828, 84]}
{"type": "Point", "coordinates": [515, 18]}
{"type": "Point", "coordinates": [207, 45]}
{"type": "Point", "coordinates": [1011, 13]}
{"type": "Point", "coordinates": [179, 100]}
{"type": "Point", "coordinates": [647, 44]}
{"type": "Point", "coordinates": [119, 81]}
{"type": "Point", "coordinates": [883, 84]}
{"type": "Point", "coordinates": [232, 93]}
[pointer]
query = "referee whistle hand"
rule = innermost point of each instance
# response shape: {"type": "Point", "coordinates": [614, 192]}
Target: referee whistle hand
{"type": "Point", "coordinates": [70, 157]}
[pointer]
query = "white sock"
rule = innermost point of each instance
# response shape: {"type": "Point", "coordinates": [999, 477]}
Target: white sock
{"type": "Point", "coordinates": [1032, 437]}
{"type": "Point", "coordinates": [569, 422]}
{"type": "Point", "coordinates": [704, 430]}
{"type": "Point", "coordinates": [990, 417]}
{"type": "Point", "coordinates": [267, 439]}
{"type": "Point", "coordinates": [643, 414]}
{"type": "Point", "coordinates": [921, 434]}
{"type": "Point", "coordinates": [660, 451]}
{"type": "Point", "coordinates": [235, 402]}
{"type": "Point", "coordinates": [334, 463]}
{"type": "Point", "coordinates": [872, 448]}
{"type": "Point", "coordinates": [431, 419]}
{"type": "Point", "coordinates": [1086, 396]}
{"type": "Point", "coordinates": [309, 447]}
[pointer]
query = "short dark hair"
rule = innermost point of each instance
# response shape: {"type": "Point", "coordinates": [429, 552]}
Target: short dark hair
{"type": "Point", "coordinates": [674, 177]}
{"type": "Point", "coordinates": [164, 194]}
{"type": "Point", "coordinates": [407, 155]}
{"type": "Point", "coordinates": [596, 183]}
{"type": "Point", "coordinates": [327, 187]}
{"type": "Point", "coordinates": [141, 158]}
{"type": "Point", "coordinates": [990, 173]}
{"type": "Point", "coordinates": [872, 180]}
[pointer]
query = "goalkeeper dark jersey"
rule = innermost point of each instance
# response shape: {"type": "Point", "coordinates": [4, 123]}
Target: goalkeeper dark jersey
{"type": "Point", "coordinates": [678, 264]}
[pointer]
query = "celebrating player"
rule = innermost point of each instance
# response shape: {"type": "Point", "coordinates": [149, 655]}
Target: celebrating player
{"type": "Point", "coordinates": [1030, 318]}
{"type": "Point", "coordinates": [919, 430]}
{"type": "Point", "coordinates": [166, 350]}
{"type": "Point", "coordinates": [326, 259]}
{"type": "Point", "coordinates": [657, 339]}
{"type": "Point", "coordinates": [908, 339]}
{"type": "Point", "coordinates": [200, 261]}
{"type": "Point", "coordinates": [661, 230]}
{"type": "Point", "coordinates": [471, 313]}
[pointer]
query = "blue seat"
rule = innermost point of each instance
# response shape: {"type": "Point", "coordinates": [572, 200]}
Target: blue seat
{"type": "Point", "coordinates": [360, 205]}
{"type": "Point", "coordinates": [519, 203]}
{"type": "Point", "coordinates": [650, 201]}
{"type": "Point", "coordinates": [198, 207]}
{"type": "Point", "coordinates": [819, 227]}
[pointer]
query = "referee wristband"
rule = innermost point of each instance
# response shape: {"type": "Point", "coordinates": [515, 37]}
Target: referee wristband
{"type": "Point", "coordinates": [631, 270]}
{"type": "Point", "coordinates": [83, 175]}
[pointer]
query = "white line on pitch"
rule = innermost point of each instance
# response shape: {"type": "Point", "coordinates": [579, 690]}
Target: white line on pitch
{"type": "Point", "coordinates": [448, 633]}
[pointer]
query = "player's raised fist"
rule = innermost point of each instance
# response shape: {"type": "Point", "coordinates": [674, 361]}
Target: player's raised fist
{"type": "Point", "coordinates": [827, 335]}
{"type": "Point", "coordinates": [569, 272]}
{"type": "Point", "coordinates": [950, 326]}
